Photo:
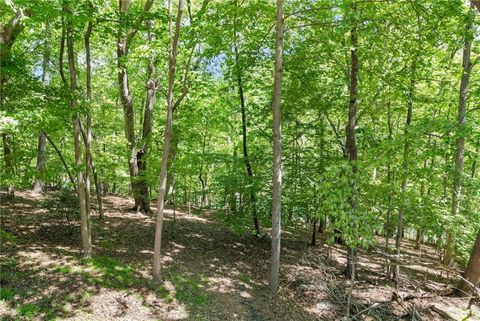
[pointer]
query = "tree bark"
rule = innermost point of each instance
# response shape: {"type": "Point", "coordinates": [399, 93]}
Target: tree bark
{"type": "Point", "coordinates": [38, 186]}
{"type": "Point", "coordinates": [151, 87]}
{"type": "Point", "coordinates": [84, 215]}
{"type": "Point", "coordinates": [472, 273]}
{"type": "Point", "coordinates": [137, 181]}
{"type": "Point", "coordinates": [246, 159]}
{"type": "Point", "coordinates": [351, 146]}
{"type": "Point", "coordinates": [406, 155]}
{"type": "Point", "coordinates": [166, 145]}
{"type": "Point", "coordinates": [389, 179]}
{"type": "Point", "coordinates": [277, 151]}
{"type": "Point", "coordinates": [460, 140]}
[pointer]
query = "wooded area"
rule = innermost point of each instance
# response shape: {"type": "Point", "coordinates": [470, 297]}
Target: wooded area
{"type": "Point", "coordinates": [306, 160]}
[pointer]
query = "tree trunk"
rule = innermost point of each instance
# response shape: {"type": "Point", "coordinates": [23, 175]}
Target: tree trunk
{"type": "Point", "coordinates": [351, 146]}
{"type": "Point", "coordinates": [42, 142]}
{"type": "Point", "coordinates": [406, 154]}
{"type": "Point", "coordinates": [203, 182]}
{"type": "Point", "coordinates": [137, 181]}
{"type": "Point", "coordinates": [84, 215]}
{"type": "Point", "coordinates": [389, 178]}
{"type": "Point", "coordinates": [277, 151]}
{"type": "Point", "coordinates": [460, 140]}
{"type": "Point", "coordinates": [39, 183]}
{"type": "Point", "coordinates": [314, 232]}
{"type": "Point", "coordinates": [248, 166]}
{"type": "Point", "coordinates": [142, 153]}
{"type": "Point", "coordinates": [472, 273]}
{"type": "Point", "coordinates": [166, 144]}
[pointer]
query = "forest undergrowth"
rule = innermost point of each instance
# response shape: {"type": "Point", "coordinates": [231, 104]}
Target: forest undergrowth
{"type": "Point", "coordinates": [209, 272]}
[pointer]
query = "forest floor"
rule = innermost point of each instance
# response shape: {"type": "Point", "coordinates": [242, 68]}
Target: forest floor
{"type": "Point", "coordinates": [209, 273]}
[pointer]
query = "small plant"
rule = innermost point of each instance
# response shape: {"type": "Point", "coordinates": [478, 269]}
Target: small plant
{"type": "Point", "coordinates": [6, 236]}
{"type": "Point", "coordinates": [28, 310]}
{"type": "Point", "coordinates": [6, 293]}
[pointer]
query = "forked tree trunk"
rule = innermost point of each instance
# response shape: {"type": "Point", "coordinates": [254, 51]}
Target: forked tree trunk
{"type": "Point", "coordinates": [143, 151]}
{"type": "Point", "coordinates": [166, 145]}
{"type": "Point", "coordinates": [277, 151]}
{"type": "Point", "coordinates": [137, 181]}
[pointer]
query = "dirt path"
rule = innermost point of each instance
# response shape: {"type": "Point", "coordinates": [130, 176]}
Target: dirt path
{"type": "Point", "coordinates": [209, 273]}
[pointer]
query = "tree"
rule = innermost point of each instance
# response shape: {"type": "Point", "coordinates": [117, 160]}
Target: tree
{"type": "Point", "coordinates": [351, 145]}
{"type": "Point", "coordinates": [125, 37]}
{"type": "Point", "coordinates": [460, 140]}
{"type": "Point", "coordinates": [167, 137]}
{"type": "Point", "coordinates": [81, 186]}
{"type": "Point", "coordinates": [277, 150]}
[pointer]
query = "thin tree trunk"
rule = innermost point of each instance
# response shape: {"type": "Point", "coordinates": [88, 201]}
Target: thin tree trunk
{"type": "Point", "coordinates": [351, 146]}
{"type": "Point", "coordinates": [389, 178]}
{"type": "Point", "coordinates": [200, 175]}
{"type": "Point", "coordinates": [248, 166]}
{"type": "Point", "coordinates": [166, 145]}
{"type": "Point", "coordinates": [62, 159]}
{"type": "Point", "coordinates": [38, 186]}
{"type": "Point", "coordinates": [90, 166]}
{"type": "Point", "coordinates": [84, 215]}
{"type": "Point", "coordinates": [460, 140]}
{"type": "Point", "coordinates": [88, 142]}
{"type": "Point", "coordinates": [277, 151]}
{"type": "Point", "coordinates": [406, 155]}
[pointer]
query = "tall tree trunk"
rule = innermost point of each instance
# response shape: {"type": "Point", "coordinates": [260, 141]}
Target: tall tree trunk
{"type": "Point", "coordinates": [460, 140]}
{"type": "Point", "coordinates": [406, 155]}
{"type": "Point", "coordinates": [142, 153]}
{"type": "Point", "coordinates": [351, 146]}
{"type": "Point", "coordinates": [248, 165]}
{"type": "Point", "coordinates": [84, 215]}
{"type": "Point", "coordinates": [90, 165]}
{"type": "Point", "coordinates": [166, 145]}
{"type": "Point", "coordinates": [202, 179]}
{"type": "Point", "coordinates": [137, 181]}
{"type": "Point", "coordinates": [389, 178]}
{"type": "Point", "coordinates": [42, 141]}
{"type": "Point", "coordinates": [277, 151]}
{"type": "Point", "coordinates": [472, 273]}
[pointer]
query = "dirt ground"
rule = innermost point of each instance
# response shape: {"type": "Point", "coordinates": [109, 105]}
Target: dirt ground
{"type": "Point", "coordinates": [209, 273]}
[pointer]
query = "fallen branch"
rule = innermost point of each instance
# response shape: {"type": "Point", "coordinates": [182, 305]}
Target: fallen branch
{"type": "Point", "coordinates": [443, 313]}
